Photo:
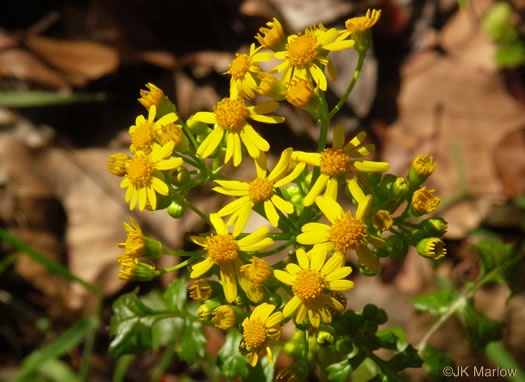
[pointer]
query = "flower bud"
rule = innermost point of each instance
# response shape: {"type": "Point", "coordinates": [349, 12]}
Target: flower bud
{"type": "Point", "coordinates": [397, 247]}
{"type": "Point", "coordinates": [382, 220]}
{"type": "Point", "coordinates": [176, 209]}
{"type": "Point", "coordinates": [196, 127]}
{"type": "Point", "coordinates": [152, 96]}
{"type": "Point", "coordinates": [152, 248]}
{"type": "Point", "coordinates": [434, 226]}
{"type": "Point", "coordinates": [271, 87]}
{"type": "Point", "coordinates": [257, 271]}
{"type": "Point", "coordinates": [422, 167]}
{"type": "Point", "coordinates": [134, 270]}
{"type": "Point", "coordinates": [423, 202]}
{"type": "Point", "coordinates": [205, 310]}
{"type": "Point", "coordinates": [325, 336]}
{"type": "Point", "coordinates": [273, 37]}
{"type": "Point", "coordinates": [432, 248]}
{"type": "Point", "coordinates": [223, 317]}
{"type": "Point", "coordinates": [286, 375]}
{"type": "Point", "coordinates": [400, 188]}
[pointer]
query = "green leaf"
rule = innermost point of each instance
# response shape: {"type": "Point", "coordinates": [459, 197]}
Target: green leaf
{"type": "Point", "coordinates": [66, 341]}
{"type": "Point", "coordinates": [131, 325]}
{"type": "Point", "coordinates": [175, 294]}
{"type": "Point", "coordinates": [497, 23]}
{"type": "Point", "coordinates": [119, 374]}
{"type": "Point", "coordinates": [393, 338]}
{"type": "Point", "coordinates": [42, 98]}
{"type": "Point", "coordinates": [231, 362]}
{"type": "Point", "coordinates": [435, 361]}
{"type": "Point", "coordinates": [436, 303]}
{"type": "Point", "coordinates": [58, 371]}
{"type": "Point", "coordinates": [492, 254]}
{"type": "Point", "coordinates": [407, 358]}
{"type": "Point", "coordinates": [193, 343]}
{"type": "Point", "coordinates": [481, 329]}
{"type": "Point", "coordinates": [340, 371]}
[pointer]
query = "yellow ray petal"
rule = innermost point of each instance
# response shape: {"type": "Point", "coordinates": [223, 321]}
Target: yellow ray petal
{"type": "Point", "coordinates": [363, 207]}
{"type": "Point", "coordinates": [338, 274]}
{"type": "Point", "coordinates": [302, 259]}
{"type": "Point", "coordinates": [339, 137]}
{"type": "Point", "coordinates": [282, 166]}
{"type": "Point", "coordinates": [310, 227]}
{"type": "Point", "coordinates": [201, 268]}
{"type": "Point", "coordinates": [271, 213]}
{"type": "Point", "coordinates": [291, 306]}
{"type": "Point", "coordinates": [331, 189]}
{"type": "Point", "coordinates": [316, 190]}
{"type": "Point", "coordinates": [340, 285]}
{"type": "Point", "coordinates": [205, 116]}
{"type": "Point", "coordinates": [371, 166]}
{"type": "Point", "coordinates": [291, 176]}
{"type": "Point", "coordinates": [284, 277]}
{"type": "Point", "coordinates": [314, 237]}
{"type": "Point", "coordinates": [334, 262]}
{"type": "Point", "coordinates": [367, 258]}
{"type": "Point", "coordinates": [229, 283]}
{"type": "Point", "coordinates": [330, 208]}
{"type": "Point", "coordinates": [282, 204]}
{"type": "Point", "coordinates": [254, 237]}
{"type": "Point", "coordinates": [218, 224]}
{"type": "Point", "coordinates": [318, 256]}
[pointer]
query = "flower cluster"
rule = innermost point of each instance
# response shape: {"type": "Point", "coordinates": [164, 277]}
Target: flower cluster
{"type": "Point", "coordinates": [361, 206]}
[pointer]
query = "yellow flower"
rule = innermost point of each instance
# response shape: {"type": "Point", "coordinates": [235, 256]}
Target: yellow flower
{"type": "Point", "coordinates": [422, 167]}
{"type": "Point", "coordinates": [117, 164]}
{"type": "Point", "coordinates": [261, 189]}
{"type": "Point", "coordinates": [299, 92]}
{"type": "Point", "coordinates": [346, 232]}
{"type": "Point", "coordinates": [382, 220]}
{"type": "Point", "coordinates": [360, 24]}
{"type": "Point", "coordinates": [305, 55]}
{"type": "Point", "coordinates": [271, 37]}
{"type": "Point", "coordinates": [133, 269]}
{"type": "Point", "coordinates": [424, 201]}
{"type": "Point", "coordinates": [270, 86]}
{"type": "Point", "coordinates": [143, 177]}
{"type": "Point", "coordinates": [223, 317]}
{"type": "Point", "coordinates": [338, 161]}
{"type": "Point", "coordinates": [200, 290]}
{"type": "Point", "coordinates": [260, 327]}
{"type": "Point", "coordinates": [359, 28]}
{"type": "Point", "coordinates": [229, 117]}
{"type": "Point", "coordinates": [152, 96]}
{"type": "Point", "coordinates": [244, 71]}
{"type": "Point", "coordinates": [257, 271]}
{"type": "Point", "coordinates": [223, 250]}
{"type": "Point", "coordinates": [134, 245]}
{"type": "Point", "coordinates": [143, 131]}
{"type": "Point", "coordinates": [312, 281]}
{"type": "Point", "coordinates": [432, 248]}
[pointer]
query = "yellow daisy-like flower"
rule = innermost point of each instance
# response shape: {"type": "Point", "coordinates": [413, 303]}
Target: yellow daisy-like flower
{"type": "Point", "coordinates": [272, 36]}
{"type": "Point", "coordinates": [312, 282]}
{"type": "Point", "coordinates": [143, 177]}
{"type": "Point", "coordinates": [260, 327]}
{"type": "Point", "coordinates": [223, 250]}
{"type": "Point", "coordinates": [305, 55]}
{"type": "Point", "coordinates": [261, 189]}
{"type": "Point", "coordinates": [360, 24]}
{"type": "Point", "coordinates": [338, 161]}
{"type": "Point", "coordinates": [143, 131]}
{"type": "Point", "coordinates": [134, 245]}
{"type": "Point", "coordinates": [230, 118]}
{"type": "Point", "coordinates": [346, 232]}
{"type": "Point", "coordinates": [244, 70]}
{"type": "Point", "coordinates": [152, 96]}
{"type": "Point", "coordinates": [117, 164]}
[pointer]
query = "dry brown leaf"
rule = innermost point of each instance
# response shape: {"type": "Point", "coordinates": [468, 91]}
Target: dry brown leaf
{"type": "Point", "coordinates": [81, 60]}
{"type": "Point", "coordinates": [509, 159]}
{"type": "Point", "coordinates": [17, 63]}
{"type": "Point", "coordinates": [455, 103]}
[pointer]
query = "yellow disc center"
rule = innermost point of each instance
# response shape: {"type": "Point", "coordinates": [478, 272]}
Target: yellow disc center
{"type": "Point", "coordinates": [308, 285]}
{"type": "Point", "coordinates": [139, 171]}
{"type": "Point", "coordinates": [335, 162]}
{"type": "Point", "coordinates": [142, 136]}
{"type": "Point", "coordinates": [302, 50]}
{"type": "Point", "coordinates": [357, 24]}
{"type": "Point", "coordinates": [261, 189]}
{"type": "Point", "coordinates": [222, 249]}
{"type": "Point", "coordinates": [254, 333]}
{"type": "Point", "coordinates": [230, 113]}
{"type": "Point", "coordinates": [347, 233]}
{"type": "Point", "coordinates": [239, 66]}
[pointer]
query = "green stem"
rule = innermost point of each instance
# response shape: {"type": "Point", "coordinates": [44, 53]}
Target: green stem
{"type": "Point", "coordinates": [48, 263]}
{"type": "Point", "coordinates": [178, 266]}
{"type": "Point", "coordinates": [180, 252]}
{"type": "Point", "coordinates": [357, 71]}
{"type": "Point", "coordinates": [197, 211]}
